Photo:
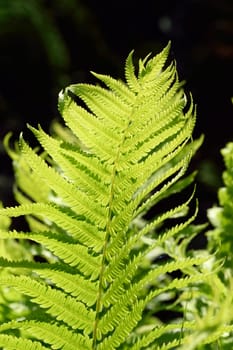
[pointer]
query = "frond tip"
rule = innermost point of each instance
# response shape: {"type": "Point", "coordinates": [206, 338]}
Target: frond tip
{"type": "Point", "coordinates": [86, 199]}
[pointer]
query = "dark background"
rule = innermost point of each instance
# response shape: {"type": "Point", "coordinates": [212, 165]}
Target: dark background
{"type": "Point", "coordinates": [46, 45]}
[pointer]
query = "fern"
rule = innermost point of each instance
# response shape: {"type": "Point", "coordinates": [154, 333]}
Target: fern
{"type": "Point", "coordinates": [86, 198]}
{"type": "Point", "coordinates": [221, 216]}
{"type": "Point", "coordinates": [213, 317]}
{"type": "Point", "coordinates": [213, 307]}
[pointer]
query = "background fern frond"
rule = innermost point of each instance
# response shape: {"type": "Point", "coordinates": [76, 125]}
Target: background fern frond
{"type": "Point", "coordinates": [221, 216]}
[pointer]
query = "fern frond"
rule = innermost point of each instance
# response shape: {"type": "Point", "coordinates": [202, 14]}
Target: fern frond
{"type": "Point", "coordinates": [131, 145]}
{"type": "Point", "coordinates": [220, 237]}
{"type": "Point", "coordinates": [55, 302]}
{"type": "Point", "coordinates": [117, 87]}
{"type": "Point", "coordinates": [148, 340]}
{"type": "Point", "coordinates": [55, 216]}
{"type": "Point", "coordinates": [56, 335]}
{"type": "Point", "coordinates": [71, 253]}
{"type": "Point", "coordinates": [117, 256]}
{"type": "Point", "coordinates": [100, 101]}
{"type": "Point", "coordinates": [11, 342]}
{"type": "Point", "coordinates": [130, 76]}
{"type": "Point", "coordinates": [221, 332]}
{"type": "Point", "coordinates": [74, 198]}
{"type": "Point", "coordinates": [113, 296]}
{"type": "Point", "coordinates": [58, 274]}
{"type": "Point", "coordinates": [77, 173]}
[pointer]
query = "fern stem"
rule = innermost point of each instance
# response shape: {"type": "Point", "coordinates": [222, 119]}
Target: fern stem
{"type": "Point", "coordinates": [100, 290]}
{"type": "Point", "coordinates": [109, 215]}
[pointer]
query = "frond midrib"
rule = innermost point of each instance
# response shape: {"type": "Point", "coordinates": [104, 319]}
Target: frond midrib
{"type": "Point", "coordinates": [107, 236]}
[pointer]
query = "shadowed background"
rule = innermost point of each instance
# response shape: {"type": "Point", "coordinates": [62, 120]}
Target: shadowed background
{"type": "Point", "coordinates": [47, 45]}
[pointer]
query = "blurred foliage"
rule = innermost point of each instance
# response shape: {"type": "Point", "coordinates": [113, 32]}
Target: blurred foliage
{"type": "Point", "coordinates": [220, 238]}
{"type": "Point", "coordinates": [38, 43]}
{"type": "Point", "coordinates": [37, 15]}
{"type": "Point", "coordinates": [12, 303]}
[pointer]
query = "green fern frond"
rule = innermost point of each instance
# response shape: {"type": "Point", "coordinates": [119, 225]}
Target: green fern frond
{"type": "Point", "coordinates": [57, 217]}
{"type": "Point", "coordinates": [153, 335]}
{"type": "Point", "coordinates": [220, 237]}
{"type": "Point", "coordinates": [71, 195]}
{"type": "Point", "coordinates": [123, 299]}
{"type": "Point", "coordinates": [54, 301]}
{"type": "Point", "coordinates": [130, 76]}
{"type": "Point", "coordinates": [11, 342]}
{"type": "Point", "coordinates": [78, 173]}
{"type": "Point", "coordinates": [117, 255]}
{"type": "Point", "coordinates": [57, 335]}
{"type": "Point", "coordinates": [60, 275]}
{"type": "Point", "coordinates": [134, 144]}
{"type": "Point", "coordinates": [71, 253]}
{"type": "Point", "coordinates": [117, 87]}
{"type": "Point", "coordinates": [29, 183]}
